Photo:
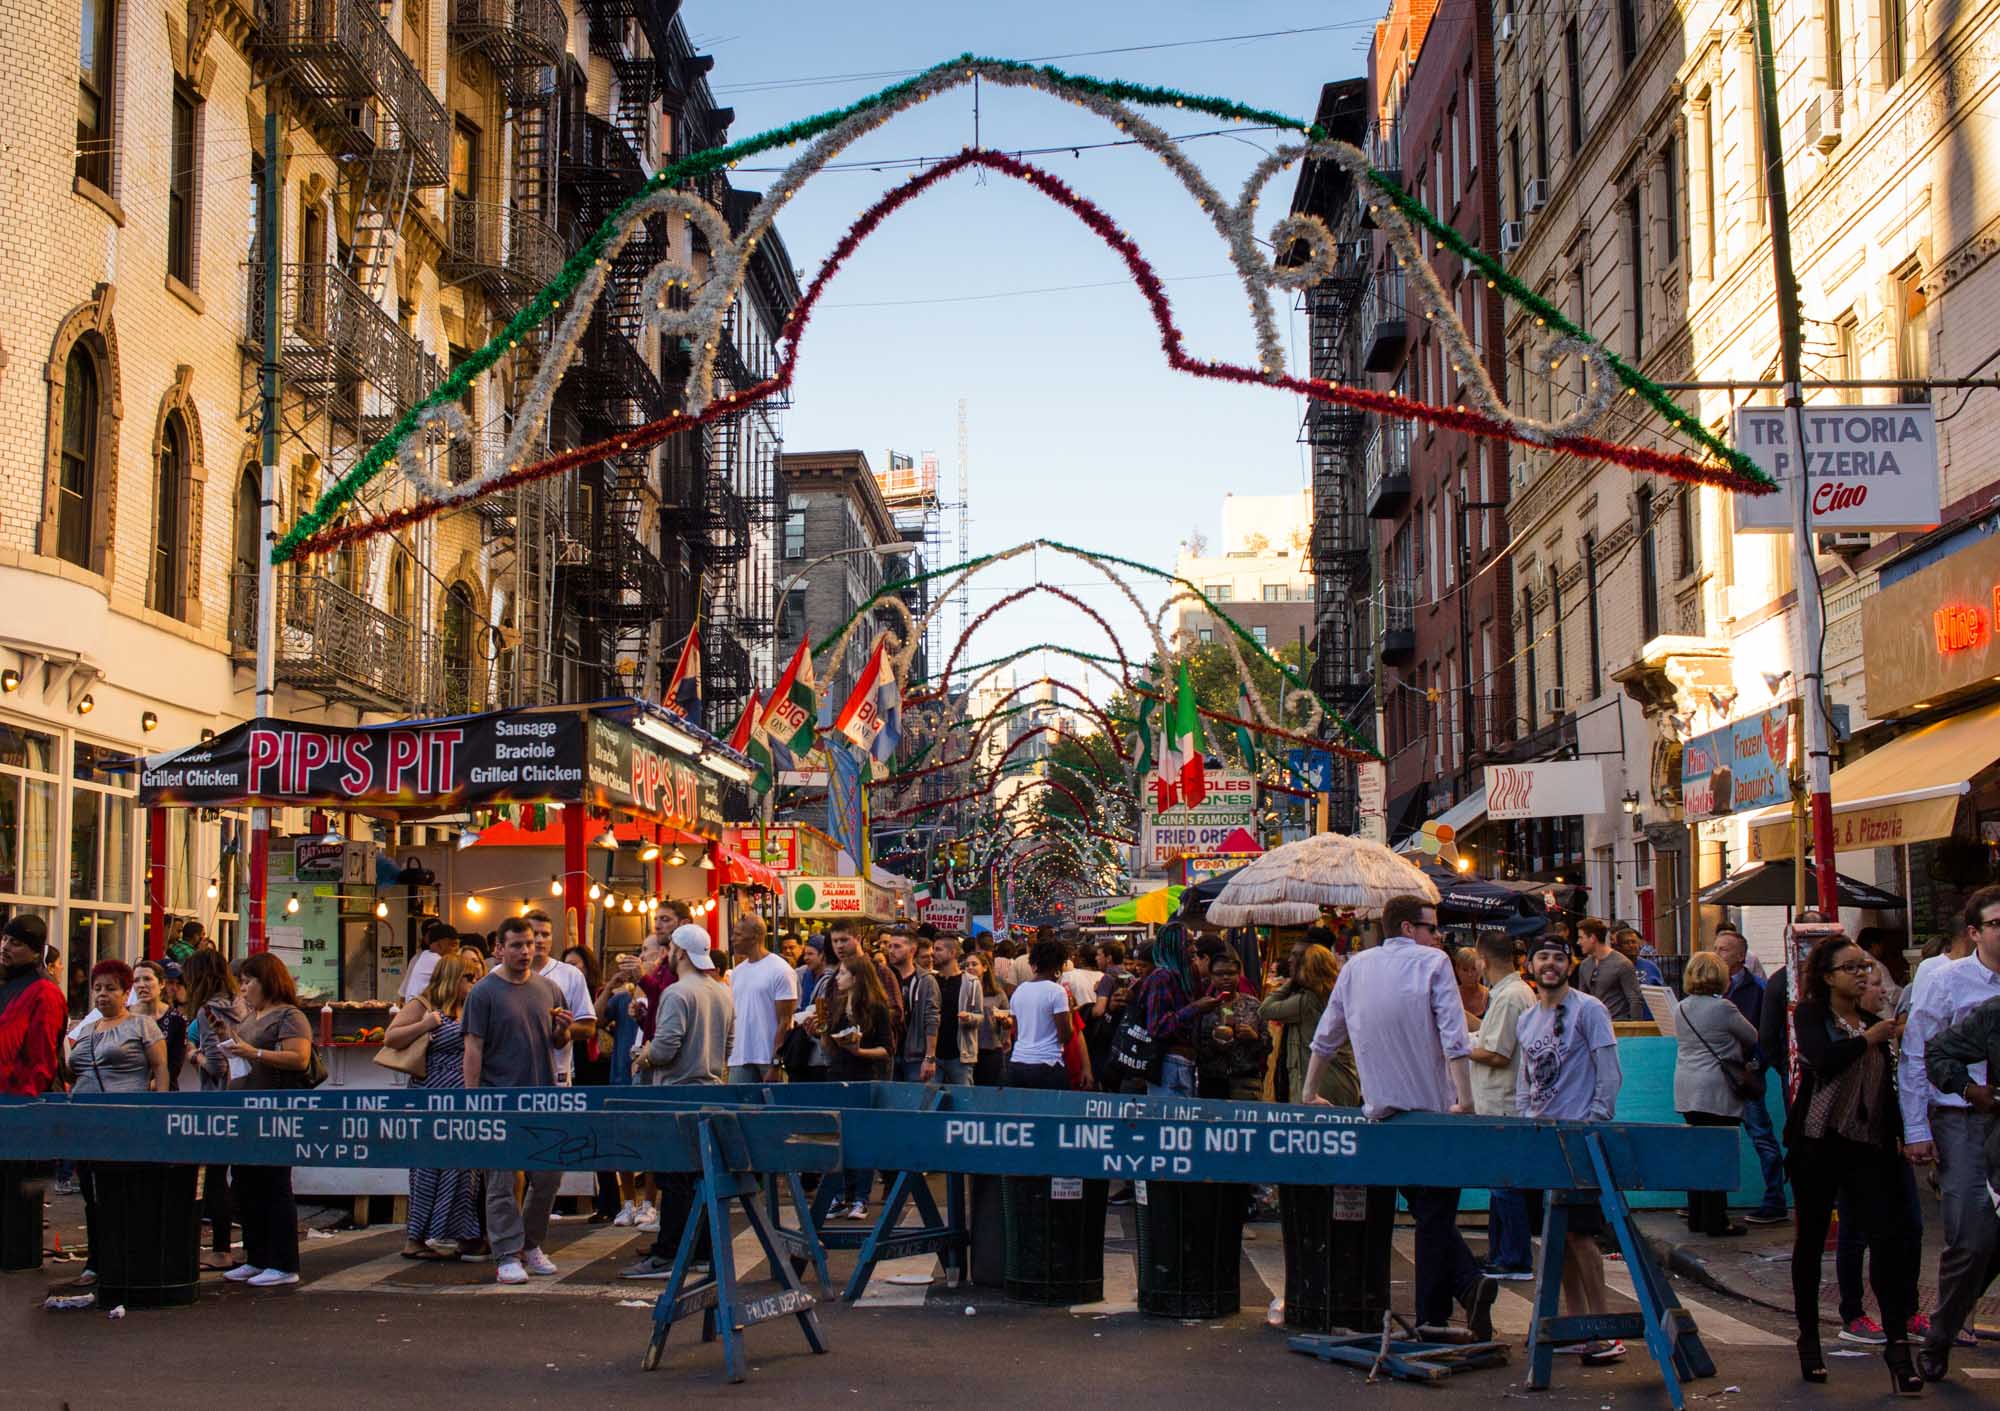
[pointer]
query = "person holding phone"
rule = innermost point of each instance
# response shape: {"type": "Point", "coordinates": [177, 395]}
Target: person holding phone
{"type": "Point", "coordinates": [274, 1042]}
{"type": "Point", "coordinates": [859, 1039]}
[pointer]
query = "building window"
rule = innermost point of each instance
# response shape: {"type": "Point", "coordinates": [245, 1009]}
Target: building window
{"type": "Point", "coordinates": [93, 106]}
{"type": "Point", "coordinates": [77, 486]}
{"type": "Point", "coordinates": [1541, 115]}
{"type": "Point", "coordinates": [1573, 72]}
{"type": "Point", "coordinates": [1207, 633]}
{"type": "Point", "coordinates": [1895, 41]}
{"type": "Point", "coordinates": [792, 614]}
{"type": "Point", "coordinates": [1684, 532]}
{"type": "Point", "coordinates": [1628, 33]}
{"type": "Point", "coordinates": [1261, 635]}
{"type": "Point", "coordinates": [402, 604]}
{"type": "Point", "coordinates": [1591, 622]}
{"type": "Point", "coordinates": [1528, 651]}
{"type": "Point", "coordinates": [1220, 592]}
{"type": "Point", "coordinates": [1913, 335]}
{"type": "Point", "coordinates": [456, 650]}
{"type": "Point", "coordinates": [1471, 122]}
{"type": "Point", "coordinates": [1515, 208]}
{"type": "Point", "coordinates": [1711, 223]}
{"type": "Point", "coordinates": [1635, 264]}
{"type": "Point", "coordinates": [795, 526]}
{"type": "Point", "coordinates": [182, 182]}
{"type": "Point", "coordinates": [170, 517]}
{"type": "Point", "coordinates": [1556, 623]}
{"type": "Point", "coordinates": [1649, 568]}
{"type": "Point", "coordinates": [1847, 356]}
{"type": "Point", "coordinates": [1670, 215]}
{"type": "Point", "coordinates": [464, 160]}
{"type": "Point", "coordinates": [1836, 76]}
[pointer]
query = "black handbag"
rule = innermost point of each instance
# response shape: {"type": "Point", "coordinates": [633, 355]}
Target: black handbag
{"type": "Point", "coordinates": [1135, 1053]}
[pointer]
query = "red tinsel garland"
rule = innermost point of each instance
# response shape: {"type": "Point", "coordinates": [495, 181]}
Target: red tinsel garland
{"type": "Point", "coordinates": [1674, 464]}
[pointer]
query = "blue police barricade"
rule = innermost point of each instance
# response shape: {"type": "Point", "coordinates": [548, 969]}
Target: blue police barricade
{"type": "Point", "coordinates": [729, 1135]}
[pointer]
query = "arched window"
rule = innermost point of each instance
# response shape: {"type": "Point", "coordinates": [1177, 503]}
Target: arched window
{"type": "Point", "coordinates": [457, 649]}
{"type": "Point", "coordinates": [249, 523]}
{"type": "Point", "coordinates": [169, 518]}
{"type": "Point", "coordinates": [400, 577]}
{"type": "Point", "coordinates": [77, 485]}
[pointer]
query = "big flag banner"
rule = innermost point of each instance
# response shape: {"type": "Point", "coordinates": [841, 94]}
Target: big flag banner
{"type": "Point", "coordinates": [873, 715]}
{"type": "Point", "coordinates": [1180, 775]}
{"type": "Point", "coordinates": [684, 689]}
{"type": "Point", "coordinates": [789, 715]}
{"type": "Point", "coordinates": [749, 739]}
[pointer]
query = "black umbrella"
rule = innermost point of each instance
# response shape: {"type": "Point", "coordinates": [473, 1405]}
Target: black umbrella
{"type": "Point", "coordinates": [1771, 883]}
{"type": "Point", "coordinates": [1467, 900]}
{"type": "Point", "coordinates": [1196, 896]}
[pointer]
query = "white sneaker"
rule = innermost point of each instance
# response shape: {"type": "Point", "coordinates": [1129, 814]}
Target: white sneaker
{"type": "Point", "coordinates": [648, 1221]}
{"type": "Point", "coordinates": [538, 1263]}
{"type": "Point", "coordinates": [242, 1273]}
{"type": "Point", "coordinates": [510, 1272]}
{"type": "Point", "coordinates": [628, 1214]}
{"type": "Point", "coordinates": [87, 1277]}
{"type": "Point", "coordinates": [858, 1211]}
{"type": "Point", "coordinates": [273, 1278]}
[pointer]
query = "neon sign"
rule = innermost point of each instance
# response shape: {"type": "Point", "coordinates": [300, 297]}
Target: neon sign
{"type": "Point", "coordinates": [1958, 627]}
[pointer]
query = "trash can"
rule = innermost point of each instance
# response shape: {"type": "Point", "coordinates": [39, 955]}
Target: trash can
{"type": "Point", "coordinates": [20, 1216]}
{"type": "Point", "coordinates": [1190, 1248]}
{"type": "Point", "coordinates": [1055, 1239]}
{"type": "Point", "coordinates": [1337, 1242]}
{"type": "Point", "coordinates": [147, 1229]}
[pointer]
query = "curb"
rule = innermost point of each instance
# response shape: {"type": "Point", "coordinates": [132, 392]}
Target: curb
{"type": "Point", "coordinates": [1683, 1260]}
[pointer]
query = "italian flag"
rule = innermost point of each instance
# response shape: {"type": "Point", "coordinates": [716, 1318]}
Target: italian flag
{"type": "Point", "coordinates": [748, 739]}
{"type": "Point", "coordinates": [1180, 775]}
{"type": "Point", "coordinates": [792, 712]}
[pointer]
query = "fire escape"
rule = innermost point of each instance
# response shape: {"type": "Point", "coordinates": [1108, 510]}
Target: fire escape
{"type": "Point", "coordinates": [1343, 538]}
{"type": "Point", "coordinates": [507, 249]}
{"type": "Point", "coordinates": [350, 368]}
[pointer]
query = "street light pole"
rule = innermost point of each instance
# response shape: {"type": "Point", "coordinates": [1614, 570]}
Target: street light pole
{"type": "Point", "coordinates": [268, 218]}
{"type": "Point", "coordinates": [1812, 625]}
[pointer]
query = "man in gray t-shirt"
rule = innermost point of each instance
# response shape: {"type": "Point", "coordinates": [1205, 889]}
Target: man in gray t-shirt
{"type": "Point", "coordinates": [1569, 1069]}
{"type": "Point", "coordinates": [690, 1047]}
{"type": "Point", "coordinates": [514, 1022]}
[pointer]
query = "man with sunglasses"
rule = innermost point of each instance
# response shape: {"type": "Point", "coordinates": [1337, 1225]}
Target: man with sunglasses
{"type": "Point", "coordinates": [1398, 1005]}
{"type": "Point", "coordinates": [1569, 1071]}
{"type": "Point", "coordinates": [1946, 1129]}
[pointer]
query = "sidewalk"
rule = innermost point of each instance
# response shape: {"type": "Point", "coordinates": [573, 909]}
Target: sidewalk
{"type": "Point", "coordinates": [1757, 1267]}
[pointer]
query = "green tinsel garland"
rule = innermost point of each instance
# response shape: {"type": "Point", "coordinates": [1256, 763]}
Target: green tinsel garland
{"type": "Point", "coordinates": [1655, 395]}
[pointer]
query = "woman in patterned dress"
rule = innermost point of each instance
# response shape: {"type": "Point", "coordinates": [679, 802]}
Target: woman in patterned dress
{"type": "Point", "coordinates": [441, 1204]}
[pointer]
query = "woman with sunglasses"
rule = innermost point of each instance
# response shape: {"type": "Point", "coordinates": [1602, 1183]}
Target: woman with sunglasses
{"type": "Point", "coordinates": [1842, 1144]}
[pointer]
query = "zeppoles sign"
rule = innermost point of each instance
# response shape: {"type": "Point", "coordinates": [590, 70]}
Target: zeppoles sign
{"type": "Point", "coordinates": [467, 761]}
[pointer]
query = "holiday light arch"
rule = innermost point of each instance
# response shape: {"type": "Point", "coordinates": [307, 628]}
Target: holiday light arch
{"type": "Point", "coordinates": [583, 278]}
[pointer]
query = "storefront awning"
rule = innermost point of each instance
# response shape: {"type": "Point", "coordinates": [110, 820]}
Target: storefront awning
{"type": "Point", "coordinates": [1907, 791]}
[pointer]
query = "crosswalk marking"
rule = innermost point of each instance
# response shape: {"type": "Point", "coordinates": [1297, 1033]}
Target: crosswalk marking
{"type": "Point", "coordinates": [1715, 1325]}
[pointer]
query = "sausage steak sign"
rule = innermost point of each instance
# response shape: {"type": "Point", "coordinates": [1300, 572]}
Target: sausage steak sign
{"type": "Point", "coordinates": [1869, 467]}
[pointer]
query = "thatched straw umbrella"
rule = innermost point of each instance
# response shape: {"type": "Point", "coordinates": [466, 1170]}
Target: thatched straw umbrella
{"type": "Point", "coordinates": [1289, 885]}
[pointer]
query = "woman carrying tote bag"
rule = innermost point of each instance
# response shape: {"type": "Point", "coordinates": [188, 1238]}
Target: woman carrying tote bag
{"type": "Point", "coordinates": [1712, 1073]}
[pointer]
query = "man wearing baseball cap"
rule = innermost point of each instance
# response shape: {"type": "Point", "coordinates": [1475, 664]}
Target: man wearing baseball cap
{"type": "Point", "coordinates": [1569, 1071]}
{"type": "Point", "coordinates": [690, 1047]}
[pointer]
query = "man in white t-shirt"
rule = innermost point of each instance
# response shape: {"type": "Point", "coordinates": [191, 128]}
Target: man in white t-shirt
{"type": "Point", "coordinates": [575, 992]}
{"type": "Point", "coordinates": [766, 990]}
{"type": "Point", "coordinates": [440, 940]}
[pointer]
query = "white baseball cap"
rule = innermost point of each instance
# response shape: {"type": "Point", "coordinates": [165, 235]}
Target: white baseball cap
{"type": "Point", "coordinates": [694, 940]}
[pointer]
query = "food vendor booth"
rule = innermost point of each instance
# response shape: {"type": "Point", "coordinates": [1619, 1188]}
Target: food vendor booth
{"type": "Point", "coordinates": [596, 813]}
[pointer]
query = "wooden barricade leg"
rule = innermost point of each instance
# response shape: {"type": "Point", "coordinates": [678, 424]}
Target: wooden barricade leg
{"type": "Point", "coordinates": [1670, 1331]}
{"type": "Point", "coordinates": [1548, 1293]}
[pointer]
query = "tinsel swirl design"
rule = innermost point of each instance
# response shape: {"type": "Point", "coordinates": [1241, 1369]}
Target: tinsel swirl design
{"type": "Point", "coordinates": [582, 277]}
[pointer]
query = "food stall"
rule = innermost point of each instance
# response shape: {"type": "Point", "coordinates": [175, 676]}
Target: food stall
{"type": "Point", "coordinates": [378, 828]}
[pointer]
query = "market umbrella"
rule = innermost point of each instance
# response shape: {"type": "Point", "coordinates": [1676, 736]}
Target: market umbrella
{"type": "Point", "coordinates": [1155, 907]}
{"type": "Point", "coordinates": [1469, 900]}
{"type": "Point", "coordinates": [1196, 896]}
{"type": "Point", "coordinates": [1290, 885]}
{"type": "Point", "coordinates": [1770, 884]}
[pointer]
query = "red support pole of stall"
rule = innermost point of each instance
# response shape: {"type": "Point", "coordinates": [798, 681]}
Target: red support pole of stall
{"type": "Point", "coordinates": [156, 884]}
{"type": "Point", "coordinates": [576, 879]}
{"type": "Point", "coordinates": [714, 852]}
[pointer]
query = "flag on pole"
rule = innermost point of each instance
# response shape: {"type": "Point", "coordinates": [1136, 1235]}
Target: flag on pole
{"type": "Point", "coordinates": [1246, 742]}
{"type": "Point", "coordinates": [873, 715]}
{"type": "Point", "coordinates": [1180, 776]}
{"type": "Point", "coordinates": [748, 738]}
{"type": "Point", "coordinates": [684, 687]}
{"type": "Point", "coordinates": [1145, 706]}
{"type": "Point", "coordinates": [791, 712]}
{"type": "Point", "coordinates": [739, 738]}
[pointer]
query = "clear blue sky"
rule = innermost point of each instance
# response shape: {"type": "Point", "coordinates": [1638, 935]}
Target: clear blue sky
{"type": "Point", "coordinates": [1078, 430]}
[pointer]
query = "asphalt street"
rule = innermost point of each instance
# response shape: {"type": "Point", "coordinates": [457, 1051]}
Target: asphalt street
{"type": "Point", "coordinates": [368, 1329]}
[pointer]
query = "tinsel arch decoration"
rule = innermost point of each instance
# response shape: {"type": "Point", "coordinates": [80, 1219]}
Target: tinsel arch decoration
{"type": "Point", "coordinates": [987, 613]}
{"type": "Point", "coordinates": [700, 320]}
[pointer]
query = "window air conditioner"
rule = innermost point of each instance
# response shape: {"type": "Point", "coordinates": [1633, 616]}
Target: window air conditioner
{"type": "Point", "coordinates": [1823, 119]}
{"type": "Point", "coordinates": [1512, 233]}
{"type": "Point", "coordinates": [1505, 30]}
{"type": "Point", "coordinates": [1552, 700]}
{"type": "Point", "coordinates": [1843, 541]}
{"type": "Point", "coordinates": [1538, 194]}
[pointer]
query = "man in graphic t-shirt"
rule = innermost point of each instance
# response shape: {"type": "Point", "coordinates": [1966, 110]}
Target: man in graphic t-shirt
{"type": "Point", "coordinates": [766, 991]}
{"type": "Point", "coordinates": [1568, 1069]}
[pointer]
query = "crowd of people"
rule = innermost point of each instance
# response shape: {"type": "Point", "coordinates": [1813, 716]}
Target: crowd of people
{"type": "Point", "coordinates": [1880, 1074]}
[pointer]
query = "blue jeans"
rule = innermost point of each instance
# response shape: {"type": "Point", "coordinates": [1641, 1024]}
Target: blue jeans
{"type": "Point", "coordinates": [909, 1070]}
{"type": "Point", "coordinates": [1770, 1156]}
{"type": "Point", "coordinates": [1508, 1242]}
{"type": "Point", "coordinates": [953, 1073]}
{"type": "Point", "coordinates": [743, 1075]}
{"type": "Point", "coordinates": [1176, 1078]}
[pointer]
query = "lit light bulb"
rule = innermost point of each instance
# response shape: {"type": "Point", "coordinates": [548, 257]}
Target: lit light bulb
{"type": "Point", "coordinates": [291, 906]}
{"type": "Point", "coordinates": [627, 907]}
{"type": "Point", "coordinates": [474, 905]}
{"type": "Point", "coordinates": [213, 891]}
{"type": "Point", "coordinates": [555, 886]}
{"type": "Point", "coordinates": [595, 891]}
{"type": "Point", "coordinates": [382, 910]}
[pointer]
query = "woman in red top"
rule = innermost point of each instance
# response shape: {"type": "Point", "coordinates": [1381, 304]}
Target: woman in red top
{"type": "Point", "coordinates": [32, 1010]}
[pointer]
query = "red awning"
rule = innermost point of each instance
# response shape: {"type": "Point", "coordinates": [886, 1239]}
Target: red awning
{"type": "Point", "coordinates": [501, 833]}
{"type": "Point", "coordinates": [741, 871]}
